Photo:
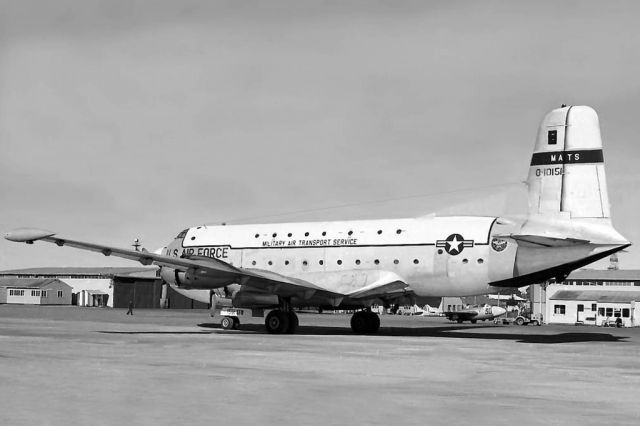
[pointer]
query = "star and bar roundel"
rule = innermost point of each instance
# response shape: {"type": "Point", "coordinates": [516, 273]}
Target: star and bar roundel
{"type": "Point", "coordinates": [454, 244]}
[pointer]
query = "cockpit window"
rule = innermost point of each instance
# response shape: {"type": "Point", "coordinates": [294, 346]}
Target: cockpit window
{"type": "Point", "coordinates": [182, 234]}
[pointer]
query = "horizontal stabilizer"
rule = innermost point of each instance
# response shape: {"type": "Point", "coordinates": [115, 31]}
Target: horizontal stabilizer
{"type": "Point", "coordinates": [547, 241]}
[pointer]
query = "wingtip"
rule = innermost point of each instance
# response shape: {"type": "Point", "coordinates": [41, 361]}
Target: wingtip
{"type": "Point", "coordinates": [27, 235]}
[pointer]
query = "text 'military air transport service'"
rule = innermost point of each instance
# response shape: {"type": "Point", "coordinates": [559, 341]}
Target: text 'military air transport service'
{"type": "Point", "coordinates": [356, 264]}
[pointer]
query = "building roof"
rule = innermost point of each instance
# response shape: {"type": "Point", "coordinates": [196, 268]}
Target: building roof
{"type": "Point", "coordinates": [104, 272]}
{"type": "Point", "coordinates": [605, 274]}
{"type": "Point", "coordinates": [604, 296]}
{"type": "Point", "coordinates": [30, 282]}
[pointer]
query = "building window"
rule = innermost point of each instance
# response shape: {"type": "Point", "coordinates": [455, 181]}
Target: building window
{"type": "Point", "coordinates": [580, 308]}
{"type": "Point", "coordinates": [59, 293]}
{"type": "Point", "coordinates": [609, 312]}
{"type": "Point", "coordinates": [35, 293]}
{"type": "Point", "coordinates": [625, 312]}
{"type": "Point", "coordinates": [44, 293]}
{"type": "Point", "coordinates": [601, 312]}
{"type": "Point", "coordinates": [559, 309]}
{"type": "Point", "coordinates": [594, 307]}
{"type": "Point", "coordinates": [617, 313]}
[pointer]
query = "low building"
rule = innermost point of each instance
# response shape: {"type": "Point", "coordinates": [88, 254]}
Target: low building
{"type": "Point", "coordinates": [112, 286]}
{"type": "Point", "coordinates": [593, 305]}
{"type": "Point", "coordinates": [34, 291]}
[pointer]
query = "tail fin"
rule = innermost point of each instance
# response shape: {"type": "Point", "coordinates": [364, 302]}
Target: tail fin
{"type": "Point", "coordinates": [567, 176]}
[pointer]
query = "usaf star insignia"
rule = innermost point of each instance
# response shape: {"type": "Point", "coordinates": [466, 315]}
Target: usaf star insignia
{"type": "Point", "coordinates": [454, 244]}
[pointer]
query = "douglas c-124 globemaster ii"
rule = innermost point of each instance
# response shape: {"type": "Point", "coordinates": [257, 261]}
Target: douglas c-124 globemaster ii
{"type": "Point", "coordinates": [354, 264]}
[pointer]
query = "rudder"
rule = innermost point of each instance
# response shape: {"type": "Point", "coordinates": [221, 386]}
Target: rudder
{"type": "Point", "coordinates": [567, 175]}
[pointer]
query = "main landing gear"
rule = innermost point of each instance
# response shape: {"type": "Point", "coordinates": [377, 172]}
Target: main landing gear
{"type": "Point", "coordinates": [281, 322]}
{"type": "Point", "coordinates": [365, 322]}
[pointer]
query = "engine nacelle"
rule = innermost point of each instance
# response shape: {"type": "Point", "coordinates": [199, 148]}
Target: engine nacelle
{"type": "Point", "coordinates": [254, 299]}
{"type": "Point", "coordinates": [191, 280]}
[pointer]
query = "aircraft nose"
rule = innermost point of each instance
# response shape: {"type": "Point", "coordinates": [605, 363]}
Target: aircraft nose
{"type": "Point", "coordinates": [497, 311]}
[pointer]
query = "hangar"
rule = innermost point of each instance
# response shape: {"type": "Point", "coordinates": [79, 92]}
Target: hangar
{"type": "Point", "coordinates": [34, 291]}
{"type": "Point", "coordinates": [111, 286]}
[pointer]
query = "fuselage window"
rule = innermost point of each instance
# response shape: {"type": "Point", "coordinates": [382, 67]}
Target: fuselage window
{"type": "Point", "coordinates": [324, 233]}
{"type": "Point", "coordinates": [350, 232]}
{"type": "Point", "coordinates": [416, 261]}
{"type": "Point", "coordinates": [465, 261]}
{"type": "Point", "coordinates": [481, 261]}
{"type": "Point", "coordinates": [377, 262]}
{"type": "Point", "coordinates": [321, 262]}
{"type": "Point", "coordinates": [399, 231]}
{"type": "Point", "coordinates": [286, 262]}
{"type": "Point", "coordinates": [193, 238]}
{"type": "Point", "coordinates": [253, 263]}
{"type": "Point", "coordinates": [439, 251]}
{"type": "Point", "coordinates": [257, 235]}
{"type": "Point", "coordinates": [306, 234]}
{"type": "Point", "coordinates": [357, 261]}
{"type": "Point", "coordinates": [275, 234]}
{"type": "Point", "coordinates": [339, 262]}
{"type": "Point", "coordinates": [379, 231]}
{"type": "Point", "coordinates": [289, 234]}
{"type": "Point", "coordinates": [270, 263]}
{"type": "Point", "coordinates": [305, 263]}
{"type": "Point", "coordinates": [396, 261]}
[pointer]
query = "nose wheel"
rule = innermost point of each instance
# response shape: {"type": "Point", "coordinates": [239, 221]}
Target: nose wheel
{"type": "Point", "coordinates": [365, 322]}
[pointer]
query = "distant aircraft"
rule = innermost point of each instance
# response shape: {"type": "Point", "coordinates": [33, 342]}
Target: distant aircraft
{"type": "Point", "coordinates": [475, 314]}
{"type": "Point", "coordinates": [356, 264]}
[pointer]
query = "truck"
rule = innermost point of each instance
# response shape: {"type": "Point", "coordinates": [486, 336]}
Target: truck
{"type": "Point", "coordinates": [522, 318]}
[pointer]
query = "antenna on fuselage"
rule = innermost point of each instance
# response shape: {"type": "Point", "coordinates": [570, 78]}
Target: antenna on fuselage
{"type": "Point", "coordinates": [136, 244]}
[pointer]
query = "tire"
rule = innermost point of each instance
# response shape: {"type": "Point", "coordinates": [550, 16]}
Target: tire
{"type": "Point", "coordinates": [519, 321]}
{"type": "Point", "coordinates": [236, 323]}
{"type": "Point", "coordinates": [474, 321]}
{"type": "Point", "coordinates": [373, 322]}
{"type": "Point", "coordinates": [277, 322]}
{"type": "Point", "coordinates": [293, 322]}
{"type": "Point", "coordinates": [227, 323]}
{"type": "Point", "coordinates": [359, 323]}
{"type": "Point", "coordinates": [535, 322]}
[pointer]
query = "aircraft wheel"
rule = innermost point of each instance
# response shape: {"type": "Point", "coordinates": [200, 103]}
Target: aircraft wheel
{"type": "Point", "coordinates": [277, 322]}
{"type": "Point", "coordinates": [293, 322]}
{"type": "Point", "coordinates": [359, 322]}
{"type": "Point", "coordinates": [373, 322]}
{"type": "Point", "coordinates": [227, 323]}
{"type": "Point", "coordinates": [236, 323]}
{"type": "Point", "coordinates": [474, 321]}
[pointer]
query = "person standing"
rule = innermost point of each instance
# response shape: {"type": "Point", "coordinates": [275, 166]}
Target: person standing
{"type": "Point", "coordinates": [130, 311]}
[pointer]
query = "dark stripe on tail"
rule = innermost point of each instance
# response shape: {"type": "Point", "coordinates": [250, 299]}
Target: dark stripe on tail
{"type": "Point", "coordinates": [567, 157]}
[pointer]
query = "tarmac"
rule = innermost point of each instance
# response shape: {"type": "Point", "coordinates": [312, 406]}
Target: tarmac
{"type": "Point", "coordinates": [79, 366]}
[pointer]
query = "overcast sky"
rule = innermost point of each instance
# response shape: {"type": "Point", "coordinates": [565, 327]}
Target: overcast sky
{"type": "Point", "coordinates": [123, 119]}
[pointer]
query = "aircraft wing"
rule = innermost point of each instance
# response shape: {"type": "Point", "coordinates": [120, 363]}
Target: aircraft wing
{"type": "Point", "coordinates": [220, 273]}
